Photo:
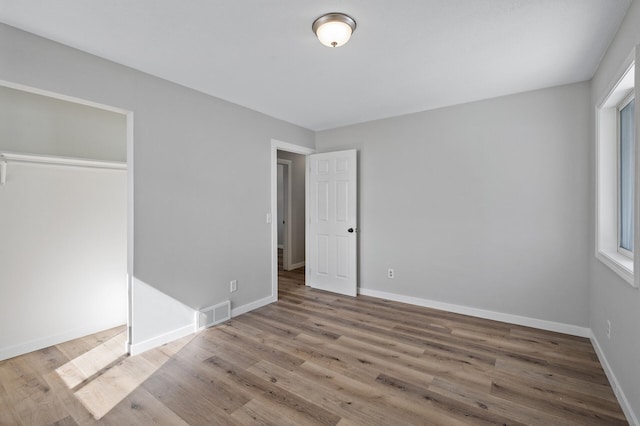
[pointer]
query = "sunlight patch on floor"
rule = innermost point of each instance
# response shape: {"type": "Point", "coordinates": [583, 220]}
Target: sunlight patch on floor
{"type": "Point", "coordinates": [86, 365]}
{"type": "Point", "coordinates": [104, 392]}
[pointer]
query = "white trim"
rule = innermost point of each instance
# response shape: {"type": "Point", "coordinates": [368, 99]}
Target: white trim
{"type": "Point", "coordinates": [636, 201]}
{"type": "Point", "coordinates": [286, 254]}
{"type": "Point", "coordinates": [606, 209]}
{"type": "Point", "coordinates": [289, 147]}
{"type": "Point", "coordinates": [6, 158]}
{"type": "Point", "coordinates": [22, 87]}
{"type": "Point", "coordinates": [253, 305]}
{"type": "Point", "coordinates": [154, 342]}
{"type": "Point", "coordinates": [619, 264]}
{"type": "Point", "coordinates": [307, 219]}
{"type": "Point", "coordinates": [45, 342]}
{"type": "Point", "coordinates": [130, 227]}
{"type": "Point", "coordinates": [296, 265]}
{"type": "Point", "coordinates": [613, 380]}
{"type": "Point", "coordinates": [61, 161]}
{"type": "Point", "coordinates": [613, 85]}
{"type": "Point", "coordinates": [623, 251]}
{"type": "Point", "coordinates": [573, 330]}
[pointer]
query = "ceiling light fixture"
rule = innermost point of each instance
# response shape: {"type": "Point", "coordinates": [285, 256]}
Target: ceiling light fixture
{"type": "Point", "coordinates": [334, 29]}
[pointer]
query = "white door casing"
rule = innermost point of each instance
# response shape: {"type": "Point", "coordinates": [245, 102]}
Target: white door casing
{"type": "Point", "coordinates": [288, 147]}
{"type": "Point", "coordinates": [331, 236]}
{"type": "Point", "coordinates": [280, 214]}
{"type": "Point", "coordinates": [286, 213]}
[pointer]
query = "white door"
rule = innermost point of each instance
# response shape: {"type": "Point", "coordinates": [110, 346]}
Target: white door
{"type": "Point", "coordinates": [331, 236]}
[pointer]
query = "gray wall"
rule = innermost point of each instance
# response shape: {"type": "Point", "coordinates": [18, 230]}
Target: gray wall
{"type": "Point", "coordinates": [297, 204]}
{"type": "Point", "coordinates": [36, 124]}
{"type": "Point", "coordinates": [193, 231]}
{"type": "Point", "coordinates": [482, 205]}
{"type": "Point", "coordinates": [612, 298]}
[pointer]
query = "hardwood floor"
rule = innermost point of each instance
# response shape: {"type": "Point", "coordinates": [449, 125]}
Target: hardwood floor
{"type": "Point", "coordinates": [317, 358]}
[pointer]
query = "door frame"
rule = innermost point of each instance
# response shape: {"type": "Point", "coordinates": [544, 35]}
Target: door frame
{"type": "Point", "coordinates": [286, 239]}
{"type": "Point", "coordinates": [277, 145]}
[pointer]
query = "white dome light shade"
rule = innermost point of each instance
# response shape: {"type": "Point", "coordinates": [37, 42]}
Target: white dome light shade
{"type": "Point", "coordinates": [334, 34]}
{"type": "Point", "coordinates": [334, 29]}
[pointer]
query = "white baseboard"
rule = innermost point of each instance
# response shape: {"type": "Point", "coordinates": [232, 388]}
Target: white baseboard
{"type": "Point", "coordinates": [253, 305]}
{"type": "Point", "coordinates": [296, 265]}
{"type": "Point", "coordinates": [613, 380]}
{"type": "Point", "coordinates": [45, 342]}
{"type": "Point", "coordinates": [138, 348]}
{"type": "Point", "coordinates": [573, 330]}
{"type": "Point", "coordinates": [520, 320]}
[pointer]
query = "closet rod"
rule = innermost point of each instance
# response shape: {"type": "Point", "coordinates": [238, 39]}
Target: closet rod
{"type": "Point", "coordinates": [6, 157]}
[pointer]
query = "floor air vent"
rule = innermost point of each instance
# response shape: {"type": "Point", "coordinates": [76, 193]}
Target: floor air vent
{"type": "Point", "coordinates": [213, 315]}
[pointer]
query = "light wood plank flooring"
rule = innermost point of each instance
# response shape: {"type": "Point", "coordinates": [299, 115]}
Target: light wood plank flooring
{"type": "Point", "coordinates": [314, 358]}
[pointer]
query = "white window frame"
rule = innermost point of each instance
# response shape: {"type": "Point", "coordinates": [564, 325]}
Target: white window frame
{"type": "Point", "coordinates": [626, 101]}
{"type": "Point", "coordinates": [607, 174]}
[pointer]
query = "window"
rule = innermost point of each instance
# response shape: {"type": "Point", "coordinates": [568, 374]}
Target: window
{"type": "Point", "coordinates": [626, 151]}
{"type": "Point", "coordinates": [615, 162]}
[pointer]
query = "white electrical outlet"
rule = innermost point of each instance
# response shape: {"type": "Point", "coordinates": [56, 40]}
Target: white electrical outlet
{"type": "Point", "coordinates": [234, 286]}
{"type": "Point", "coordinates": [608, 329]}
{"type": "Point", "coordinates": [391, 273]}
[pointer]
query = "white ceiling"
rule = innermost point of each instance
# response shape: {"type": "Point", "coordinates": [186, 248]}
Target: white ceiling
{"type": "Point", "coordinates": [405, 55]}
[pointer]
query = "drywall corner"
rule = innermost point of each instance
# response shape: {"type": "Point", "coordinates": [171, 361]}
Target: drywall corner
{"type": "Point", "coordinates": [615, 385]}
{"type": "Point", "coordinates": [157, 318]}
